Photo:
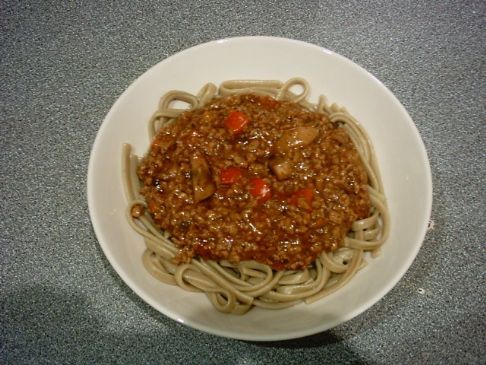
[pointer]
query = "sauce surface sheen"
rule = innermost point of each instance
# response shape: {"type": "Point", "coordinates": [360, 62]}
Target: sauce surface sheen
{"type": "Point", "coordinates": [248, 177]}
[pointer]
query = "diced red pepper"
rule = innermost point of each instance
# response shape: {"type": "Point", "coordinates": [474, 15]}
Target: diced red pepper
{"type": "Point", "coordinates": [260, 189]}
{"type": "Point", "coordinates": [230, 175]}
{"type": "Point", "coordinates": [307, 194]}
{"type": "Point", "coordinates": [236, 121]}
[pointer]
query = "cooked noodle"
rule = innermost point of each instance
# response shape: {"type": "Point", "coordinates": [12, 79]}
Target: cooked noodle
{"type": "Point", "coordinates": [236, 288]}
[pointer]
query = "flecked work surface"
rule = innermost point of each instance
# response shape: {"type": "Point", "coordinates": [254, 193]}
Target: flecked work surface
{"type": "Point", "coordinates": [63, 64]}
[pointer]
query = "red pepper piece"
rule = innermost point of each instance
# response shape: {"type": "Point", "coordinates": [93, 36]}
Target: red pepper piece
{"type": "Point", "coordinates": [260, 189]}
{"type": "Point", "coordinates": [236, 121]}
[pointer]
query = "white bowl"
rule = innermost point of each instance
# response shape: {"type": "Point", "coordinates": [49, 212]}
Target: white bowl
{"type": "Point", "coordinates": [401, 155]}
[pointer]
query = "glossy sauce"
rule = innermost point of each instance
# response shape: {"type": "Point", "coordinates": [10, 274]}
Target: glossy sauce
{"type": "Point", "coordinates": [251, 178]}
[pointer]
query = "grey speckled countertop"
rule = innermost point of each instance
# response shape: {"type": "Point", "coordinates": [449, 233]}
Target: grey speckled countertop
{"type": "Point", "coordinates": [63, 64]}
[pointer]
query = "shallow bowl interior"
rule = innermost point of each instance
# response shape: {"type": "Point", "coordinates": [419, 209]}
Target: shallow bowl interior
{"type": "Point", "coordinates": [401, 155]}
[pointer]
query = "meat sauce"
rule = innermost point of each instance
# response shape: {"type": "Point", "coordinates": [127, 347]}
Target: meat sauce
{"type": "Point", "coordinates": [248, 177]}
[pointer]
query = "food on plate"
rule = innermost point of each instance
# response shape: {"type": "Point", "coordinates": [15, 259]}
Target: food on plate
{"type": "Point", "coordinates": [255, 196]}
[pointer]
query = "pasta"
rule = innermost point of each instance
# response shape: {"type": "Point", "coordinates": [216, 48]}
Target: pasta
{"type": "Point", "coordinates": [237, 287]}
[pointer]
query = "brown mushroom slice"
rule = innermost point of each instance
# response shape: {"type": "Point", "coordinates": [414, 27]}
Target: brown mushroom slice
{"type": "Point", "coordinates": [281, 168]}
{"type": "Point", "coordinates": [296, 137]}
{"type": "Point", "coordinates": [202, 183]}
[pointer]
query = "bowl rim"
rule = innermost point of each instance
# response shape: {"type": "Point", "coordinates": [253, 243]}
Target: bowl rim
{"type": "Point", "coordinates": [428, 187]}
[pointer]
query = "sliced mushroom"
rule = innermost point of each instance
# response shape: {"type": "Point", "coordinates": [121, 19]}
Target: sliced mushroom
{"type": "Point", "coordinates": [202, 183]}
{"type": "Point", "coordinates": [296, 137]}
{"type": "Point", "coordinates": [281, 168]}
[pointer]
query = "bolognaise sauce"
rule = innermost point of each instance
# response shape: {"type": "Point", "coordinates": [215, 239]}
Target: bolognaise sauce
{"type": "Point", "coordinates": [277, 183]}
